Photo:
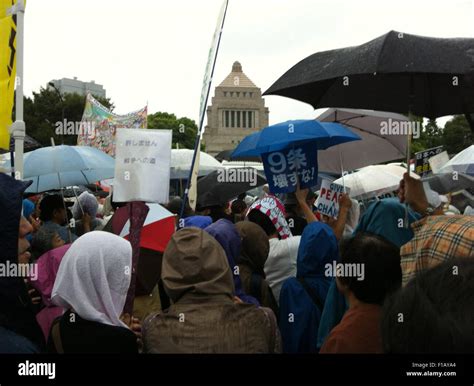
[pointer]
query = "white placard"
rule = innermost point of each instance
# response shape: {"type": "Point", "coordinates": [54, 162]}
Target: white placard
{"type": "Point", "coordinates": [328, 199]}
{"type": "Point", "coordinates": [438, 161]}
{"type": "Point", "coordinates": [142, 165]}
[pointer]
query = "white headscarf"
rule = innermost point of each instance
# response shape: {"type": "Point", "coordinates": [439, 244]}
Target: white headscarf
{"type": "Point", "coordinates": [94, 277]}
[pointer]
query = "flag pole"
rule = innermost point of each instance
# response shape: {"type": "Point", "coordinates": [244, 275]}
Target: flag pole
{"type": "Point", "coordinates": [18, 127]}
{"type": "Point", "coordinates": [197, 144]}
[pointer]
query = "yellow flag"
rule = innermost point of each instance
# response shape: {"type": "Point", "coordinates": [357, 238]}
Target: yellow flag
{"type": "Point", "coordinates": [7, 70]}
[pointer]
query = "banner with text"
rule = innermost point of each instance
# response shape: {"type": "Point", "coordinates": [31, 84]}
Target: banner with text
{"type": "Point", "coordinates": [142, 165]}
{"type": "Point", "coordinates": [103, 125]}
{"type": "Point", "coordinates": [328, 199]}
{"type": "Point", "coordinates": [285, 168]}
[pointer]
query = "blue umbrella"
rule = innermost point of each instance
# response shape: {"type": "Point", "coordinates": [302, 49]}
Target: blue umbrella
{"type": "Point", "coordinates": [60, 166]}
{"type": "Point", "coordinates": [282, 135]}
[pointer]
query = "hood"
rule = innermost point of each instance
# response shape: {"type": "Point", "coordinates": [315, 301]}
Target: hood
{"type": "Point", "coordinates": [318, 247]}
{"type": "Point", "coordinates": [195, 263]}
{"type": "Point", "coordinates": [272, 207]}
{"type": "Point", "coordinates": [384, 218]}
{"type": "Point", "coordinates": [255, 246]}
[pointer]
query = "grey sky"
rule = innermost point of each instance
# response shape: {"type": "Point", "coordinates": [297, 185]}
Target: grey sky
{"type": "Point", "coordinates": [155, 51]}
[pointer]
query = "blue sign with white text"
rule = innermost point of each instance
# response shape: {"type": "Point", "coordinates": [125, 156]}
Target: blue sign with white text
{"type": "Point", "coordinates": [285, 168]}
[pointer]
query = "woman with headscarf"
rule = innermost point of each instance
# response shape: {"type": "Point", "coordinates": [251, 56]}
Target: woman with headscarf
{"type": "Point", "coordinates": [385, 218]}
{"type": "Point", "coordinates": [92, 284]}
{"type": "Point", "coordinates": [47, 269]}
{"type": "Point", "coordinates": [228, 237]}
{"type": "Point", "coordinates": [302, 297]}
{"type": "Point", "coordinates": [253, 254]}
{"type": "Point", "coordinates": [203, 317]}
{"type": "Point", "coordinates": [84, 211]}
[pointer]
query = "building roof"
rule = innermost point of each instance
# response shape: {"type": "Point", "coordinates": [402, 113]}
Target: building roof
{"type": "Point", "coordinates": [230, 80]}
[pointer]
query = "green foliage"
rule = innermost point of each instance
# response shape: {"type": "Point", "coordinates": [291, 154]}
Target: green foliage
{"type": "Point", "coordinates": [47, 107]}
{"type": "Point", "coordinates": [184, 129]}
{"type": "Point", "coordinates": [455, 136]}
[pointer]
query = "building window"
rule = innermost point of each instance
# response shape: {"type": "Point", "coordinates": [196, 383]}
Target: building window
{"type": "Point", "coordinates": [227, 118]}
{"type": "Point", "coordinates": [244, 119]}
{"type": "Point", "coordinates": [237, 94]}
{"type": "Point", "coordinates": [232, 118]}
{"type": "Point", "coordinates": [251, 94]}
{"type": "Point", "coordinates": [231, 93]}
{"type": "Point", "coordinates": [250, 123]}
{"type": "Point", "coordinates": [238, 118]}
{"type": "Point", "coordinates": [225, 93]}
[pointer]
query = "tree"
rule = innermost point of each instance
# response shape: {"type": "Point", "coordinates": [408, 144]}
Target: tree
{"type": "Point", "coordinates": [184, 129]}
{"type": "Point", "coordinates": [46, 108]}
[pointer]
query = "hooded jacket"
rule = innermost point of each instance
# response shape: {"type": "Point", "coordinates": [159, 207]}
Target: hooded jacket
{"type": "Point", "coordinates": [203, 317]}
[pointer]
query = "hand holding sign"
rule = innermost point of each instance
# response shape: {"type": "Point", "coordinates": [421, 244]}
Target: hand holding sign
{"type": "Point", "coordinates": [331, 197]}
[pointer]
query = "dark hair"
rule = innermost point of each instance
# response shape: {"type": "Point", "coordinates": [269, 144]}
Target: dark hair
{"type": "Point", "coordinates": [49, 204]}
{"type": "Point", "coordinates": [381, 262]}
{"type": "Point", "coordinates": [433, 313]}
{"type": "Point", "coordinates": [260, 219]}
{"type": "Point", "coordinates": [238, 206]}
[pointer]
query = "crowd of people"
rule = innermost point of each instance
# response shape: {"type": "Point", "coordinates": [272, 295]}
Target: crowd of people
{"type": "Point", "coordinates": [267, 276]}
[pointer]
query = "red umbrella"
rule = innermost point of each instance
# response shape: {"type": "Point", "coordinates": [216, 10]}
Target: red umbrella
{"type": "Point", "coordinates": [157, 229]}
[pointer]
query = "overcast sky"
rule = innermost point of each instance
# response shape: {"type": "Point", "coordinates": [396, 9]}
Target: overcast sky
{"type": "Point", "coordinates": [155, 51]}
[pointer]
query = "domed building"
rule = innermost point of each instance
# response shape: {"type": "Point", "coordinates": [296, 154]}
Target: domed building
{"type": "Point", "coordinates": [237, 110]}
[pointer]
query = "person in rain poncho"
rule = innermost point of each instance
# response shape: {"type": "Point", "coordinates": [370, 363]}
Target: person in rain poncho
{"type": "Point", "coordinates": [302, 297]}
{"type": "Point", "coordinates": [253, 254]}
{"type": "Point", "coordinates": [84, 211]}
{"type": "Point", "coordinates": [203, 316]}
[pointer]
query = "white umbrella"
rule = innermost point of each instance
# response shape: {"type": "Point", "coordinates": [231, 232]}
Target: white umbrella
{"type": "Point", "coordinates": [373, 181]}
{"type": "Point", "coordinates": [462, 162]}
{"type": "Point", "coordinates": [181, 163]}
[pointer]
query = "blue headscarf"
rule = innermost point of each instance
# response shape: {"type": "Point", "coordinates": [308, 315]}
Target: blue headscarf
{"type": "Point", "coordinates": [228, 237]}
{"type": "Point", "coordinates": [318, 247]}
{"type": "Point", "coordinates": [384, 218]}
{"type": "Point", "coordinates": [197, 221]}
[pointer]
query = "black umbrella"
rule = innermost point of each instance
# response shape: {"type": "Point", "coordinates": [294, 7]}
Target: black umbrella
{"type": "Point", "coordinates": [225, 155]}
{"type": "Point", "coordinates": [221, 186]}
{"type": "Point", "coordinates": [29, 144]}
{"type": "Point", "coordinates": [396, 72]}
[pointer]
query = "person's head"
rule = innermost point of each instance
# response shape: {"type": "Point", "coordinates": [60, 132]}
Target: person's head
{"type": "Point", "coordinates": [318, 247]}
{"type": "Point", "coordinates": [433, 312]}
{"type": "Point", "coordinates": [437, 239]}
{"type": "Point", "coordinates": [195, 265]}
{"type": "Point", "coordinates": [94, 277]}
{"type": "Point", "coordinates": [377, 260]}
{"type": "Point", "coordinates": [386, 218]}
{"type": "Point", "coordinates": [255, 246]}
{"type": "Point", "coordinates": [45, 239]}
{"type": "Point", "coordinates": [272, 208]}
{"type": "Point", "coordinates": [263, 221]}
{"type": "Point", "coordinates": [311, 198]}
{"type": "Point", "coordinates": [228, 237]}
{"type": "Point", "coordinates": [52, 209]}
{"type": "Point", "coordinates": [86, 203]}
{"type": "Point", "coordinates": [238, 207]}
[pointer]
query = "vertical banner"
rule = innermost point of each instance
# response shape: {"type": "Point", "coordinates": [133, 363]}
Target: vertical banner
{"type": "Point", "coordinates": [7, 70]}
{"type": "Point", "coordinates": [191, 189]}
{"type": "Point", "coordinates": [99, 125]}
{"type": "Point", "coordinates": [142, 165]}
{"type": "Point", "coordinates": [285, 168]}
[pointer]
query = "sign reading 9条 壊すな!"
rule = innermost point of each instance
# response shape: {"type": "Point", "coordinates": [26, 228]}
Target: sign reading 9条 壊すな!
{"type": "Point", "coordinates": [285, 168]}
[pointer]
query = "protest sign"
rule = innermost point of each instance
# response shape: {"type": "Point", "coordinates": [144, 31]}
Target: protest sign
{"type": "Point", "coordinates": [422, 166]}
{"type": "Point", "coordinates": [142, 165]}
{"type": "Point", "coordinates": [285, 168]}
{"type": "Point", "coordinates": [328, 199]}
{"type": "Point", "coordinates": [438, 161]}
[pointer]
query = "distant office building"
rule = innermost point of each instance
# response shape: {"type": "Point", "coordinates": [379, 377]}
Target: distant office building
{"type": "Point", "coordinates": [237, 110]}
{"type": "Point", "coordinates": [70, 86]}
